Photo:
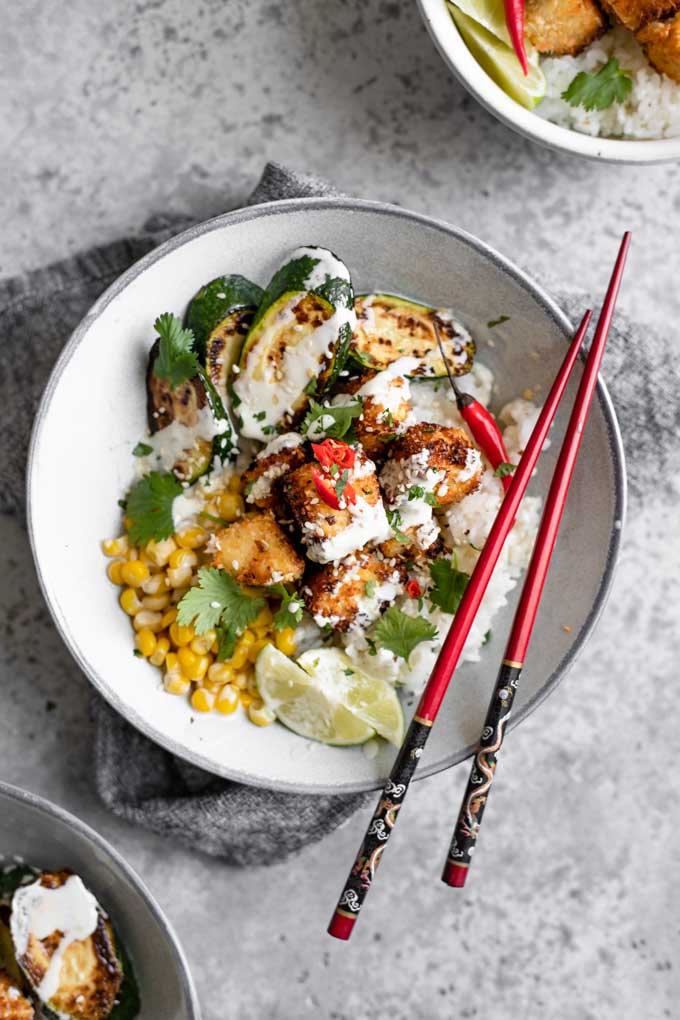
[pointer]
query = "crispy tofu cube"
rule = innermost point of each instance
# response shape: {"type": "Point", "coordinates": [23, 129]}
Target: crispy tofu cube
{"type": "Point", "coordinates": [563, 27]}
{"type": "Point", "coordinates": [635, 14]}
{"type": "Point", "coordinates": [353, 592]}
{"type": "Point", "coordinates": [262, 483]}
{"type": "Point", "coordinates": [331, 534]}
{"type": "Point", "coordinates": [386, 408]}
{"type": "Point", "coordinates": [432, 462]}
{"type": "Point", "coordinates": [661, 42]}
{"type": "Point", "coordinates": [13, 1004]}
{"type": "Point", "coordinates": [256, 551]}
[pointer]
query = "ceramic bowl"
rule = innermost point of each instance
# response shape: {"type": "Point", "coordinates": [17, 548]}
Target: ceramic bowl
{"type": "Point", "coordinates": [93, 413]}
{"type": "Point", "coordinates": [457, 56]}
{"type": "Point", "coordinates": [44, 835]}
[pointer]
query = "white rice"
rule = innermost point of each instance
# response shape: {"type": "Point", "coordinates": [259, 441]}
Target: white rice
{"type": "Point", "coordinates": [652, 109]}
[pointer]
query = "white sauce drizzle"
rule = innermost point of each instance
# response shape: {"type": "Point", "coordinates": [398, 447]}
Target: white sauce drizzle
{"type": "Point", "coordinates": [170, 443]}
{"type": "Point", "coordinates": [71, 909]}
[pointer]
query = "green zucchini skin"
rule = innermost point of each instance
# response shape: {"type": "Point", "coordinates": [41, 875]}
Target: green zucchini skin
{"type": "Point", "coordinates": [223, 349]}
{"type": "Point", "coordinates": [214, 302]}
{"type": "Point", "coordinates": [128, 1001]}
{"type": "Point", "coordinates": [391, 327]}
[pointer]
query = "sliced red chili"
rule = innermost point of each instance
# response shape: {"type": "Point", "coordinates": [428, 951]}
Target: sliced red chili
{"type": "Point", "coordinates": [326, 490]}
{"type": "Point", "coordinates": [414, 590]}
{"type": "Point", "coordinates": [333, 451]}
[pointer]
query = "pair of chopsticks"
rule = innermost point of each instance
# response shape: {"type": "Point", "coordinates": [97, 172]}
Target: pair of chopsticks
{"type": "Point", "coordinates": [466, 831]}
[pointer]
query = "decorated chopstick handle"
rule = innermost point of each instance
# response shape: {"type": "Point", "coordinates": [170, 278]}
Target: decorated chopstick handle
{"type": "Point", "coordinates": [380, 829]}
{"type": "Point", "coordinates": [481, 775]}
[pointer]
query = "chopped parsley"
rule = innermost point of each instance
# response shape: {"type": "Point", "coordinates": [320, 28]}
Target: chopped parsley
{"type": "Point", "coordinates": [260, 416]}
{"type": "Point", "coordinates": [332, 422]}
{"type": "Point", "coordinates": [218, 602]}
{"type": "Point", "coordinates": [498, 322]}
{"type": "Point", "coordinates": [176, 362]}
{"type": "Point", "coordinates": [416, 492]}
{"type": "Point", "coordinates": [370, 588]}
{"type": "Point", "coordinates": [394, 521]}
{"type": "Point", "coordinates": [599, 91]}
{"type": "Point", "coordinates": [486, 638]}
{"type": "Point", "coordinates": [348, 672]}
{"type": "Point", "coordinates": [149, 507]}
{"type": "Point", "coordinates": [449, 584]}
{"type": "Point", "coordinates": [400, 633]}
{"type": "Point", "coordinates": [504, 469]}
{"type": "Point", "coordinates": [341, 483]}
{"type": "Point", "coordinates": [431, 499]}
{"type": "Point", "coordinates": [142, 450]}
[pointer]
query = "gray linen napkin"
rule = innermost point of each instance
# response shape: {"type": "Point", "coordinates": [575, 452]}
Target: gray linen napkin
{"type": "Point", "coordinates": [137, 779]}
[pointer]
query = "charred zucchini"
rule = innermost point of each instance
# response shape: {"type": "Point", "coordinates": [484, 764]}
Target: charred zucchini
{"type": "Point", "coordinates": [390, 327]}
{"type": "Point", "coordinates": [298, 342]}
{"type": "Point", "coordinates": [215, 302]}
{"type": "Point", "coordinates": [223, 348]}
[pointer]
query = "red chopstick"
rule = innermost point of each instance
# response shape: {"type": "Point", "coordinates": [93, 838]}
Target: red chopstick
{"type": "Point", "coordinates": [385, 816]}
{"type": "Point", "coordinates": [476, 794]}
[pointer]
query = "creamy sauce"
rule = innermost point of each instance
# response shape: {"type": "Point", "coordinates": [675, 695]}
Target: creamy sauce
{"type": "Point", "coordinates": [186, 507]}
{"type": "Point", "coordinates": [390, 388]}
{"type": "Point", "coordinates": [71, 909]}
{"type": "Point", "coordinates": [288, 441]}
{"type": "Point", "coordinates": [328, 265]}
{"type": "Point", "coordinates": [169, 444]}
{"type": "Point", "coordinates": [369, 524]}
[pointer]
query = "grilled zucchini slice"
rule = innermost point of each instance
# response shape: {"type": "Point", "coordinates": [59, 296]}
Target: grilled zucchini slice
{"type": "Point", "coordinates": [298, 342]}
{"type": "Point", "coordinates": [223, 348]}
{"type": "Point", "coordinates": [215, 302]}
{"type": "Point", "coordinates": [391, 327]}
{"type": "Point", "coordinates": [90, 974]}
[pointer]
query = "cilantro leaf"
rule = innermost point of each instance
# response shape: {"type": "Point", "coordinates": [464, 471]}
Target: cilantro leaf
{"type": "Point", "coordinates": [285, 616]}
{"type": "Point", "coordinates": [333, 422]}
{"type": "Point", "coordinates": [599, 91]}
{"type": "Point", "coordinates": [218, 602]}
{"type": "Point", "coordinates": [504, 469]}
{"type": "Point", "coordinates": [149, 506]}
{"type": "Point", "coordinates": [370, 588]}
{"type": "Point", "coordinates": [142, 450]}
{"type": "Point", "coordinates": [176, 361]}
{"type": "Point", "coordinates": [449, 584]}
{"type": "Point", "coordinates": [400, 633]}
{"type": "Point", "coordinates": [416, 492]}
{"type": "Point", "coordinates": [497, 322]}
{"type": "Point", "coordinates": [341, 483]}
{"type": "Point", "coordinates": [394, 521]}
{"type": "Point", "coordinates": [431, 499]}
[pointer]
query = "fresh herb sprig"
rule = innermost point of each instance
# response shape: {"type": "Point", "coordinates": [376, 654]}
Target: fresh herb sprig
{"type": "Point", "coordinates": [149, 507]}
{"type": "Point", "coordinates": [400, 633]}
{"type": "Point", "coordinates": [449, 584]}
{"type": "Point", "coordinates": [599, 91]}
{"type": "Point", "coordinates": [333, 422]}
{"type": "Point", "coordinates": [218, 603]}
{"type": "Point", "coordinates": [285, 616]}
{"type": "Point", "coordinates": [176, 362]}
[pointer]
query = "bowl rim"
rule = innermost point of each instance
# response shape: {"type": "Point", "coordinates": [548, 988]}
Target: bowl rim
{"type": "Point", "coordinates": [461, 62]}
{"type": "Point", "coordinates": [281, 207]}
{"type": "Point", "coordinates": [52, 810]}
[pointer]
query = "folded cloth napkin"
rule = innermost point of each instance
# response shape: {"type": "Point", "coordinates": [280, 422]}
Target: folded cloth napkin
{"type": "Point", "coordinates": [138, 780]}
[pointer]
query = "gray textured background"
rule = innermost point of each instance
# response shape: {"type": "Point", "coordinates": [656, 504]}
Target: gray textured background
{"type": "Point", "coordinates": [113, 112]}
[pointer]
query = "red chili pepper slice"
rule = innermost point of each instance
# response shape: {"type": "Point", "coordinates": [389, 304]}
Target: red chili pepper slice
{"type": "Point", "coordinates": [333, 451]}
{"type": "Point", "coordinates": [328, 493]}
{"type": "Point", "coordinates": [413, 590]}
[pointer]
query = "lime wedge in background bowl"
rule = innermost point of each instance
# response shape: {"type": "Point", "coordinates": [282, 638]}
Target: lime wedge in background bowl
{"type": "Point", "coordinates": [481, 24]}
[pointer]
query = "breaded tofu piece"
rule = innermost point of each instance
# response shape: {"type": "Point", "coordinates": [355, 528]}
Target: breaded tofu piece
{"type": "Point", "coordinates": [256, 551]}
{"type": "Point", "coordinates": [661, 42]}
{"type": "Point", "coordinates": [385, 406]}
{"type": "Point", "coordinates": [424, 542]}
{"type": "Point", "coordinates": [262, 479]}
{"type": "Point", "coordinates": [355, 591]}
{"type": "Point", "coordinates": [563, 27]}
{"type": "Point", "coordinates": [13, 1004]}
{"type": "Point", "coordinates": [331, 534]}
{"type": "Point", "coordinates": [635, 14]}
{"type": "Point", "coordinates": [90, 974]}
{"type": "Point", "coordinates": [431, 461]}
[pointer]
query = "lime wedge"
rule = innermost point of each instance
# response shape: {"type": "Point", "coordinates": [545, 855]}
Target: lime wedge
{"type": "Point", "coordinates": [490, 14]}
{"type": "Point", "coordinates": [369, 698]}
{"type": "Point", "coordinates": [499, 61]}
{"type": "Point", "coordinates": [302, 705]}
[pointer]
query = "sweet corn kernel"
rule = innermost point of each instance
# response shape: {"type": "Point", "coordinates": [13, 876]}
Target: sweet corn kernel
{"type": "Point", "coordinates": [246, 698]}
{"type": "Point", "coordinates": [178, 594]}
{"type": "Point", "coordinates": [115, 546]}
{"type": "Point", "coordinates": [156, 584]}
{"type": "Point", "coordinates": [220, 673]}
{"type": "Point", "coordinates": [202, 643]}
{"type": "Point", "coordinates": [134, 573]}
{"type": "Point", "coordinates": [191, 538]}
{"type": "Point", "coordinates": [145, 618]}
{"type": "Point", "coordinates": [162, 647]}
{"type": "Point", "coordinates": [182, 558]}
{"type": "Point", "coordinates": [169, 617]}
{"type": "Point", "coordinates": [179, 577]}
{"type": "Point", "coordinates": [180, 635]}
{"type": "Point", "coordinates": [264, 618]}
{"type": "Point", "coordinates": [256, 648]}
{"type": "Point", "coordinates": [227, 700]}
{"type": "Point", "coordinates": [171, 661]}
{"type": "Point", "coordinates": [113, 570]}
{"type": "Point", "coordinates": [202, 700]}
{"type": "Point", "coordinates": [234, 483]}
{"type": "Point", "coordinates": [230, 506]}
{"type": "Point", "coordinates": [240, 681]}
{"type": "Point", "coordinates": [132, 553]}
{"type": "Point", "coordinates": [207, 685]}
{"type": "Point", "coordinates": [156, 602]}
{"type": "Point", "coordinates": [160, 552]}
{"type": "Point", "coordinates": [145, 642]}
{"type": "Point", "coordinates": [175, 683]}
{"type": "Point", "coordinates": [259, 714]}
{"type": "Point", "coordinates": [129, 601]}
{"type": "Point", "coordinates": [194, 666]}
{"type": "Point", "coordinates": [240, 657]}
{"type": "Point", "coordinates": [285, 640]}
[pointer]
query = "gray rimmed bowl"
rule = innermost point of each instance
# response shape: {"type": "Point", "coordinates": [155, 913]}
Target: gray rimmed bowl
{"type": "Point", "coordinates": [42, 834]}
{"type": "Point", "coordinates": [93, 412]}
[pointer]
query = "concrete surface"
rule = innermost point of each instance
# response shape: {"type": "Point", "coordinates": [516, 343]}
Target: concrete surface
{"type": "Point", "coordinates": [113, 112]}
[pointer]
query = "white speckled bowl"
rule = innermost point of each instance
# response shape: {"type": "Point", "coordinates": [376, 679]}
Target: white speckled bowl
{"type": "Point", "coordinates": [452, 47]}
{"type": "Point", "coordinates": [46, 836]}
{"type": "Point", "coordinates": [93, 412]}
